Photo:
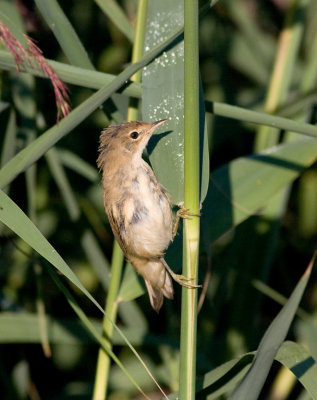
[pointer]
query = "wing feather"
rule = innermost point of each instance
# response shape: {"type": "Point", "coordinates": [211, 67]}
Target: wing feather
{"type": "Point", "coordinates": [116, 226]}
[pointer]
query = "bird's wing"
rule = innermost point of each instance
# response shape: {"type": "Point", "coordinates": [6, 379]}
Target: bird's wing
{"type": "Point", "coordinates": [117, 226]}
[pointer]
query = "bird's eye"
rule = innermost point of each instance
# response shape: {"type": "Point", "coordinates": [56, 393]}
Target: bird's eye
{"type": "Point", "coordinates": [134, 135]}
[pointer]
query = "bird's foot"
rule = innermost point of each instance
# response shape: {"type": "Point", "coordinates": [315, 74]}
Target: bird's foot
{"type": "Point", "coordinates": [180, 279]}
{"type": "Point", "coordinates": [182, 213]}
{"type": "Point", "coordinates": [183, 281]}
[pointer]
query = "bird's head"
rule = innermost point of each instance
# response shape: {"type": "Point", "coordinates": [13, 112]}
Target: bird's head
{"type": "Point", "coordinates": [127, 138]}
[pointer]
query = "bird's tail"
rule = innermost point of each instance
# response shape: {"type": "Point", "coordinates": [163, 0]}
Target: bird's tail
{"type": "Point", "coordinates": [157, 280]}
{"type": "Point", "coordinates": [156, 293]}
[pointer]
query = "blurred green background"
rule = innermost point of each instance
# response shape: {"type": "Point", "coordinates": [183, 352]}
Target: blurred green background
{"type": "Point", "coordinates": [269, 250]}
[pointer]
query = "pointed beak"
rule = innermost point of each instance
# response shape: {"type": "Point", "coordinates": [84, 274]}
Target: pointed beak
{"type": "Point", "coordinates": [160, 122]}
{"type": "Point", "coordinates": [157, 124]}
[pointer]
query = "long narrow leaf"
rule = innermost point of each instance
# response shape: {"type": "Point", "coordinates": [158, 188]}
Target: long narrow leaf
{"type": "Point", "coordinates": [78, 165]}
{"type": "Point", "coordinates": [240, 188]}
{"type": "Point", "coordinates": [64, 32]}
{"type": "Point", "coordinates": [92, 330]}
{"type": "Point", "coordinates": [163, 97]}
{"type": "Point", "coordinates": [242, 114]}
{"type": "Point", "coordinates": [297, 359]}
{"type": "Point", "coordinates": [13, 217]}
{"type": "Point", "coordinates": [23, 328]}
{"type": "Point", "coordinates": [252, 384]}
{"type": "Point", "coordinates": [117, 17]}
{"type": "Point", "coordinates": [35, 150]}
{"type": "Point", "coordinates": [71, 74]}
{"type": "Point", "coordinates": [224, 378]}
{"type": "Point", "coordinates": [62, 182]}
{"type": "Point", "coordinates": [95, 80]}
{"type": "Point", "coordinates": [9, 140]}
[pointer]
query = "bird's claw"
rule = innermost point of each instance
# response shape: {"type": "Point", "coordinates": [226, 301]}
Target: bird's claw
{"type": "Point", "coordinates": [183, 281]}
{"type": "Point", "coordinates": [182, 213]}
{"type": "Point", "coordinates": [185, 213]}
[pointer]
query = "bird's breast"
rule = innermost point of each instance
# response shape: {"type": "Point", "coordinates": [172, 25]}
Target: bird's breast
{"type": "Point", "coordinates": [149, 223]}
{"type": "Point", "coordinates": [140, 211]}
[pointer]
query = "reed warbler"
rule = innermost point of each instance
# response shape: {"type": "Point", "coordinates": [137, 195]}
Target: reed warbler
{"type": "Point", "coordinates": [138, 207]}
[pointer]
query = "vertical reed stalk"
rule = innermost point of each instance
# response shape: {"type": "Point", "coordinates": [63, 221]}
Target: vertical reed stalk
{"type": "Point", "coordinates": [191, 197]}
{"type": "Point", "coordinates": [137, 53]}
{"type": "Point", "coordinates": [103, 363]}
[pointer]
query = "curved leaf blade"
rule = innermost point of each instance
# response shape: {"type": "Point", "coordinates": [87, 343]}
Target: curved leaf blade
{"type": "Point", "coordinates": [240, 188]}
{"type": "Point", "coordinates": [117, 17]}
{"type": "Point", "coordinates": [253, 382]}
{"type": "Point", "coordinates": [35, 150]}
{"type": "Point", "coordinates": [64, 33]}
{"type": "Point", "coordinates": [297, 359]}
{"type": "Point", "coordinates": [15, 219]}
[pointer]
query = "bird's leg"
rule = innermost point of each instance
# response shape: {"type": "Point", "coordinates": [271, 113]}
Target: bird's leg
{"type": "Point", "coordinates": [182, 213]}
{"type": "Point", "coordinates": [181, 279]}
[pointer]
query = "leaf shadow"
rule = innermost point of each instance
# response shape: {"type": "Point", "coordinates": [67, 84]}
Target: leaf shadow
{"type": "Point", "coordinates": [155, 140]}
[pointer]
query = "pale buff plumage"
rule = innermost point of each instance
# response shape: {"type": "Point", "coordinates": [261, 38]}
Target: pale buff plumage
{"type": "Point", "coordinates": [138, 206]}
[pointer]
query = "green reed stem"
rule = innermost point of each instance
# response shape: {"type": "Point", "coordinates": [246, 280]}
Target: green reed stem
{"type": "Point", "coordinates": [90, 327]}
{"type": "Point", "coordinates": [137, 54]}
{"type": "Point", "coordinates": [103, 363]}
{"type": "Point", "coordinates": [191, 226]}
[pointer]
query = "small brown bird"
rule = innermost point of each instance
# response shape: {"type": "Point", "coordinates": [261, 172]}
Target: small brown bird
{"type": "Point", "coordinates": [138, 206]}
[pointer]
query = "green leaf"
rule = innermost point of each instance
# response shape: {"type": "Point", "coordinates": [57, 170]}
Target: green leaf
{"type": "Point", "coordinates": [163, 97]}
{"type": "Point", "coordinates": [204, 147]}
{"type": "Point", "coordinates": [131, 286]}
{"type": "Point", "coordinates": [62, 182]}
{"type": "Point", "coordinates": [257, 48]}
{"type": "Point", "coordinates": [78, 165]}
{"type": "Point", "coordinates": [243, 59]}
{"type": "Point", "coordinates": [221, 379]}
{"type": "Point", "coordinates": [64, 33]}
{"type": "Point", "coordinates": [88, 241]}
{"type": "Point", "coordinates": [242, 187]}
{"type": "Point", "coordinates": [229, 374]}
{"type": "Point", "coordinates": [15, 219]}
{"type": "Point", "coordinates": [92, 330]}
{"type": "Point", "coordinates": [48, 139]}
{"type": "Point", "coordinates": [259, 118]}
{"type": "Point", "coordinates": [9, 140]}
{"type": "Point", "coordinates": [253, 382]}
{"type": "Point", "coordinates": [24, 328]}
{"type": "Point", "coordinates": [306, 330]}
{"type": "Point", "coordinates": [71, 74]}
{"type": "Point", "coordinates": [96, 257]}
{"type": "Point", "coordinates": [297, 359]}
{"type": "Point", "coordinates": [117, 17]}
{"type": "Point", "coordinates": [11, 18]}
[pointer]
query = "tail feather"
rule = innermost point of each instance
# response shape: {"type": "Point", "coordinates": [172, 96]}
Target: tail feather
{"type": "Point", "coordinates": [155, 295]}
{"type": "Point", "coordinates": [157, 279]}
{"type": "Point", "coordinates": [168, 289]}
